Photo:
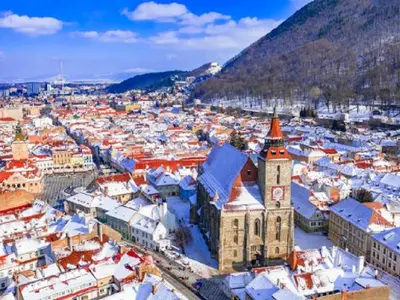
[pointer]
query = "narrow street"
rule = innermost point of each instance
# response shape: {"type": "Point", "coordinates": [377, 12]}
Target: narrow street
{"type": "Point", "coordinates": [210, 288]}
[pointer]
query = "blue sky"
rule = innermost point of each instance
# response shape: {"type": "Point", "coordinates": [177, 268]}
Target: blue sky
{"type": "Point", "coordinates": [95, 39]}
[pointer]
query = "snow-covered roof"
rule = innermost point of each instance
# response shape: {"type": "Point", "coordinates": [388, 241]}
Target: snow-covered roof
{"type": "Point", "coordinates": [221, 168]}
{"type": "Point", "coordinates": [122, 213]}
{"type": "Point", "coordinates": [360, 215]}
{"type": "Point", "coordinates": [301, 200]}
{"type": "Point", "coordinates": [389, 238]}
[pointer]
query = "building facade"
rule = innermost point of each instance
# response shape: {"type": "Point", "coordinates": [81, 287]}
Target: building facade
{"type": "Point", "coordinates": [245, 212]}
{"type": "Point", "coordinates": [385, 251]}
{"type": "Point", "coordinates": [351, 225]}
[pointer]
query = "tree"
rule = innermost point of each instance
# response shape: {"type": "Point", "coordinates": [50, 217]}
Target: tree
{"type": "Point", "coordinates": [183, 236]}
{"type": "Point", "coordinates": [338, 126]}
{"type": "Point", "coordinates": [238, 142]}
{"type": "Point", "coordinates": [363, 195]}
{"type": "Point", "coordinates": [201, 135]}
{"type": "Point", "coordinates": [308, 112]}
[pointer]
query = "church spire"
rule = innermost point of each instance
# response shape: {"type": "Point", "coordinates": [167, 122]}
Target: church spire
{"type": "Point", "coordinates": [275, 131]}
{"type": "Point", "coordinates": [274, 147]}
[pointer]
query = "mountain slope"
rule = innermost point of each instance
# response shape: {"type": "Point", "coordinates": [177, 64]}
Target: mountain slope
{"type": "Point", "coordinates": [335, 49]}
{"type": "Point", "coordinates": [144, 81]}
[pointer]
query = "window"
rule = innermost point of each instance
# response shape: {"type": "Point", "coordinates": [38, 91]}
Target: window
{"type": "Point", "coordinates": [278, 176]}
{"type": "Point", "coordinates": [257, 227]}
{"type": "Point", "coordinates": [249, 172]}
{"type": "Point", "coordinates": [277, 250]}
{"type": "Point", "coordinates": [236, 239]}
{"type": "Point", "coordinates": [278, 225]}
{"type": "Point", "coordinates": [235, 223]}
{"type": "Point", "coordinates": [234, 253]}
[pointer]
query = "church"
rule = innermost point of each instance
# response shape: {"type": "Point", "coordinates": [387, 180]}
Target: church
{"type": "Point", "coordinates": [244, 210]}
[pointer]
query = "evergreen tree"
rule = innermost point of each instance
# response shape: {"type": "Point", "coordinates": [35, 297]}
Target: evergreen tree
{"type": "Point", "coordinates": [238, 142]}
{"type": "Point", "coordinates": [363, 195]}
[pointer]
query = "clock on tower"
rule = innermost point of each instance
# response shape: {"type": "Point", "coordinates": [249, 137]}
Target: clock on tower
{"type": "Point", "coordinates": [278, 193]}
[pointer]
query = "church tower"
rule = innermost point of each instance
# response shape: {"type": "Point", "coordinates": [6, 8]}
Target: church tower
{"type": "Point", "coordinates": [19, 147]}
{"type": "Point", "coordinates": [274, 180]}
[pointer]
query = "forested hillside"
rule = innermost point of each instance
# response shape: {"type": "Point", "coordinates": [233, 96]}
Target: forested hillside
{"type": "Point", "coordinates": [340, 51]}
{"type": "Point", "coordinates": [145, 81]}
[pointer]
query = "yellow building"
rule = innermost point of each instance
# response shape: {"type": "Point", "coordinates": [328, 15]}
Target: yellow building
{"type": "Point", "coordinates": [77, 161]}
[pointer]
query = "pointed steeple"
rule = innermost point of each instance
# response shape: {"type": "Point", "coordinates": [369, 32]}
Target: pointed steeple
{"type": "Point", "coordinates": [275, 132]}
{"type": "Point", "coordinates": [274, 147]}
{"type": "Point", "coordinates": [275, 112]}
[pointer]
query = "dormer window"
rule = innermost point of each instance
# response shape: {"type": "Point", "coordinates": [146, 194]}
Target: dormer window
{"type": "Point", "coordinates": [273, 152]}
{"type": "Point", "coordinates": [282, 152]}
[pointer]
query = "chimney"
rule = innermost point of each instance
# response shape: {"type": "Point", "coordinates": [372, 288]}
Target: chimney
{"type": "Point", "coordinates": [360, 266]}
{"type": "Point", "coordinates": [163, 209]}
{"type": "Point", "coordinates": [334, 252]}
{"type": "Point", "coordinates": [324, 252]}
{"type": "Point", "coordinates": [100, 231]}
{"type": "Point", "coordinates": [69, 242]}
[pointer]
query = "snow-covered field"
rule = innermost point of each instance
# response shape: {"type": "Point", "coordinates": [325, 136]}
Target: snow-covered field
{"type": "Point", "coordinates": [310, 240]}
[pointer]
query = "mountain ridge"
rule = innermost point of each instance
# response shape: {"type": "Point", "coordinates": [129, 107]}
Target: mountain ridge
{"type": "Point", "coordinates": [338, 47]}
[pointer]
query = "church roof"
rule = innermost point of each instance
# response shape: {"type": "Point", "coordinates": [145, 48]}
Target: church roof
{"type": "Point", "coordinates": [220, 170]}
{"type": "Point", "coordinates": [275, 131]}
{"type": "Point", "coordinates": [274, 148]}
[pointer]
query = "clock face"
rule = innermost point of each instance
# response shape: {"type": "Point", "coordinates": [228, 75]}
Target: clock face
{"type": "Point", "coordinates": [278, 193]}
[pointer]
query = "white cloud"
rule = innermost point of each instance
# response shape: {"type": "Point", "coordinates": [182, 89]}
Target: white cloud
{"type": "Point", "coordinates": [297, 4]}
{"type": "Point", "coordinates": [110, 36]}
{"type": "Point", "coordinates": [30, 25]}
{"type": "Point", "coordinates": [190, 19]}
{"type": "Point", "coordinates": [173, 12]}
{"type": "Point", "coordinates": [229, 35]}
{"type": "Point", "coordinates": [156, 12]}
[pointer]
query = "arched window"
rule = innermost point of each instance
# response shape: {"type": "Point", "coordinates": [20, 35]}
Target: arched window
{"type": "Point", "coordinates": [257, 227]}
{"type": "Point", "coordinates": [278, 224]}
{"type": "Point", "coordinates": [278, 175]}
{"type": "Point", "coordinates": [236, 239]}
{"type": "Point", "coordinates": [235, 223]}
{"type": "Point", "coordinates": [277, 250]}
{"type": "Point", "coordinates": [235, 253]}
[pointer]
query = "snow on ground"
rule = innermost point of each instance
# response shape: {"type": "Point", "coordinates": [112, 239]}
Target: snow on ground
{"type": "Point", "coordinates": [199, 256]}
{"type": "Point", "coordinates": [310, 240]}
{"type": "Point", "coordinates": [180, 208]}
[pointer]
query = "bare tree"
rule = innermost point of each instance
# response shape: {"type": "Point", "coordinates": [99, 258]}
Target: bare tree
{"type": "Point", "coordinates": [183, 236]}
